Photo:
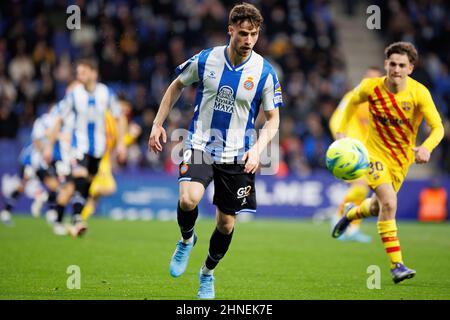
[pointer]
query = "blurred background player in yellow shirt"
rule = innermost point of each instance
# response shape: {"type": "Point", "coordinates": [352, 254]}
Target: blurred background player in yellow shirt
{"type": "Point", "coordinates": [397, 106]}
{"type": "Point", "coordinates": [358, 128]}
{"type": "Point", "coordinates": [104, 183]}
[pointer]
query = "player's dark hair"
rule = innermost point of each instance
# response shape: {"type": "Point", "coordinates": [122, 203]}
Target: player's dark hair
{"type": "Point", "coordinates": [90, 62]}
{"type": "Point", "coordinates": [402, 48]}
{"type": "Point", "coordinates": [245, 11]}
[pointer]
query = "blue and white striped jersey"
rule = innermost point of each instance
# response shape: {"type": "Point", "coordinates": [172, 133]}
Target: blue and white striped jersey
{"type": "Point", "coordinates": [61, 148]}
{"type": "Point", "coordinates": [228, 101]}
{"type": "Point", "coordinates": [30, 157]}
{"type": "Point", "coordinates": [39, 133]}
{"type": "Point", "coordinates": [88, 110]}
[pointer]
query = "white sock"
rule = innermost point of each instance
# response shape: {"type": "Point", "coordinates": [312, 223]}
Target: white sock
{"type": "Point", "coordinates": [188, 241]}
{"type": "Point", "coordinates": [207, 271]}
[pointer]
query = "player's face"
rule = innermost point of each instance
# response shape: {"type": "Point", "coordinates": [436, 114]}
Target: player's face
{"type": "Point", "coordinates": [398, 68]}
{"type": "Point", "coordinates": [86, 74]}
{"type": "Point", "coordinates": [243, 37]}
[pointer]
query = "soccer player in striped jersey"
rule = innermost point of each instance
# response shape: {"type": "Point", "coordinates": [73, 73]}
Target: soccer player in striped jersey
{"type": "Point", "coordinates": [357, 129]}
{"type": "Point", "coordinates": [88, 103]}
{"type": "Point", "coordinates": [234, 82]}
{"type": "Point", "coordinates": [56, 175]}
{"type": "Point", "coordinates": [397, 106]}
{"type": "Point", "coordinates": [33, 164]}
{"type": "Point", "coordinates": [46, 172]}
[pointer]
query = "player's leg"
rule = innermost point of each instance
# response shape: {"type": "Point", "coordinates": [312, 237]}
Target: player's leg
{"type": "Point", "coordinates": [102, 185]}
{"type": "Point", "coordinates": [64, 195]}
{"type": "Point", "coordinates": [83, 174]}
{"type": "Point", "coordinates": [234, 193]}
{"type": "Point", "coordinates": [89, 206]}
{"type": "Point", "coordinates": [191, 192]}
{"type": "Point", "coordinates": [66, 190]}
{"type": "Point", "coordinates": [10, 202]}
{"type": "Point", "coordinates": [368, 208]}
{"type": "Point", "coordinates": [218, 247]}
{"type": "Point", "coordinates": [51, 183]}
{"type": "Point", "coordinates": [194, 178]}
{"type": "Point", "coordinates": [356, 194]}
{"type": "Point", "coordinates": [377, 175]}
{"type": "Point", "coordinates": [387, 228]}
{"type": "Point", "coordinates": [81, 183]}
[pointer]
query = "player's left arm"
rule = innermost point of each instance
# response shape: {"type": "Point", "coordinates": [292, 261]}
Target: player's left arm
{"type": "Point", "coordinates": [121, 123]}
{"type": "Point", "coordinates": [266, 134]}
{"type": "Point", "coordinates": [133, 132]}
{"type": "Point", "coordinates": [433, 119]}
{"type": "Point", "coordinates": [271, 101]}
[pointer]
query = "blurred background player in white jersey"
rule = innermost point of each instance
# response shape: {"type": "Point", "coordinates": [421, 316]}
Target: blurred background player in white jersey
{"type": "Point", "coordinates": [234, 82]}
{"type": "Point", "coordinates": [46, 172]}
{"type": "Point", "coordinates": [88, 102]}
{"type": "Point", "coordinates": [67, 188]}
{"type": "Point", "coordinates": [33, 165]}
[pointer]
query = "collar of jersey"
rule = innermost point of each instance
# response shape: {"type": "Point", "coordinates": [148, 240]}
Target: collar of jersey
{"type": "Point", "coordinates": [389, 91]}
{"type": "Point", "coordinates": [239, 66]}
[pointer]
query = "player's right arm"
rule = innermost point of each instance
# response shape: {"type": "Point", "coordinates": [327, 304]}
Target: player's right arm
{"type": "Point", "coordinates": [37, 134]}
{"type": "Point", "coordinates": [358, 96]}
{"type": "Point", "coordinates": [52, 135]}
{"type": "Point", "coordinates": [169, 99]}
{"type": "Point", "coordinates": [187, 74]}
{"type": "Point", "coordinates": [60, 112]}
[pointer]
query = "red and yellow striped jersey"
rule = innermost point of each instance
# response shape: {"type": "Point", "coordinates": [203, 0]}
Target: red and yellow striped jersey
{"type": "Point", "coordinates": [395, 119]}
{"type": "Point", "coordinates": [112, 134]}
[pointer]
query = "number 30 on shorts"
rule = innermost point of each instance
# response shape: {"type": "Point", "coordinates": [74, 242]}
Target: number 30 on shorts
{"type": "Point", "coordinates": [377, 165]}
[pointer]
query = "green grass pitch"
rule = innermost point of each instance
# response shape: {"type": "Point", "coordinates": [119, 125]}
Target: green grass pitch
{"type": "Point", "coordinates": [268, 259]}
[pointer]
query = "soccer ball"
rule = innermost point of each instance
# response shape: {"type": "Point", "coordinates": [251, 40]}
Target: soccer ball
{"type": "Point", "coordinates": [347, 159]}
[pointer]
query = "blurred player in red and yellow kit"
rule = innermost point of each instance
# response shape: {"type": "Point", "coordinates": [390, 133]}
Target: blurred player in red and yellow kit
{"type": "Point", "coordinates": [397, 106]}
{"type": "Point", "coordinates": [104, 183]}
{"type": "Point", "coordinates": [358, 129]}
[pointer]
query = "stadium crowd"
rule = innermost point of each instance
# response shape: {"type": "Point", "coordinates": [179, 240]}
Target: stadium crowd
{"type": "Point", "coordinates": [138, 45]}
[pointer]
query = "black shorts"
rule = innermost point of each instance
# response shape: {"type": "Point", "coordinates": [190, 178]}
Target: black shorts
{"type": "Point", "coordinates": [90, 163]}
{"type": "Point", "coordinates": [49, 172]}
{"type": "Point", "coordinates": [234, 189]}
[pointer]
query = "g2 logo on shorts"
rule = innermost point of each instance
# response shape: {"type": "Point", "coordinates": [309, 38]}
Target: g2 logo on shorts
{"type": "Point", "coordinates": [244, 192]}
